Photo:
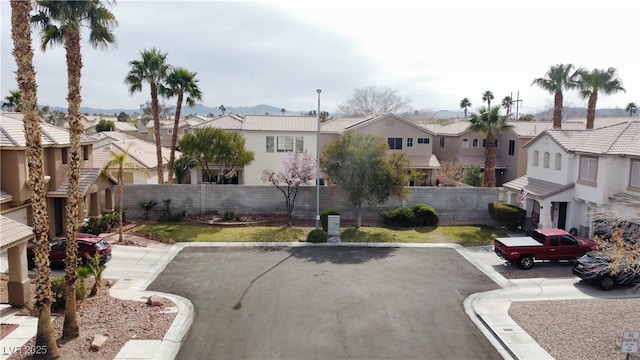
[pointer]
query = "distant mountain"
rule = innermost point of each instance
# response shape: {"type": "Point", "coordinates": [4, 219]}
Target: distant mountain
{"type": "Point", "coordinates": [198, 109]}
{"type": "Point", "coordinates": [579, 113]}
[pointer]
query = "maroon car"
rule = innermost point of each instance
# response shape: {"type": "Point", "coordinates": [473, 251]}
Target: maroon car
{"type": "Point", "coordinates": [88, 244]}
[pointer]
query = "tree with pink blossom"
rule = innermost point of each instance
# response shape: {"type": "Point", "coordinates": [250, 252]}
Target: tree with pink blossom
{"type": "Point", "coordinates": [299, 169]}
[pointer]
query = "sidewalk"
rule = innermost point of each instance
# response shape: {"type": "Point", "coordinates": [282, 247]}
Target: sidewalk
{"type": "Point", "coordinates": [490, 310]}
{"type": "Point", "coordinates": [135, 267]}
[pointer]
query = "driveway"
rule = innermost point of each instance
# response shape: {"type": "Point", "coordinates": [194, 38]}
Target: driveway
{"type": "Point", "coordinates": [327, 303]}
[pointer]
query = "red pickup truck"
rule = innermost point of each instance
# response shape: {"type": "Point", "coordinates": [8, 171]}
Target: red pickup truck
{"type": "Point", "coordinates": [542, 244]}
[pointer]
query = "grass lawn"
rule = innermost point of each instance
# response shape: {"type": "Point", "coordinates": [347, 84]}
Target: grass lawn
{"type": "Point", "coordinates": [180, 232]}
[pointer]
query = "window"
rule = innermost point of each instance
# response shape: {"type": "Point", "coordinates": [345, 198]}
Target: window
{"type": "Point", "coordinates": [169, 131]}
{"type": "Point", "coordinates": [474, 143]}
{"type": "Point", "coordinates": [536, 155]}
{"type": "Point", "coordinates": [484, 143]}
{"type": "Point", "coordinates": [395, 143]}
{"type": "Point", "coordinates": [424, 140]}
{"type": "Point", "coordinates": [512, 147]}
{"type": "Point", "coordinates": [285, 144]}
{"type": "Point", "coordinates": [588, 170]}
{"type": "Point", "coordinates": [465, 143]}
{"type": "Point", "coordinates": [270, 144]}
{"type": "Point", "coordinates": [299, 144]}
{"type": "Point", "coordinates": [634, 176]}
{"type": "Point", "coordinates": [569, 241]}
{"type": "Point", "coordinates": [442, 142]}
{"type": "Point", "coordinates": [410, 142]}
{"type": "Point", "coordinates": [65, 155]}
{"type": "Point", "coordinates": [558, 162]}
{"type": "Point", "coordinates": [545, 160]}
{"type": "Point", "coordinates": [85, 152]}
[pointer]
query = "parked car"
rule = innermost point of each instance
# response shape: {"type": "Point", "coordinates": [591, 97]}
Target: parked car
{"type": "Point", "coordinates": [596, 268]}
{"type": "Point", "coordinates": [88, 244]}
{"type": "Point", "coordinates": [542, 244]}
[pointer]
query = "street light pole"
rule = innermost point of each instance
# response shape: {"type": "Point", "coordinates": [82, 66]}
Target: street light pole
{"type": "Point", "coordinates": [318, 165]}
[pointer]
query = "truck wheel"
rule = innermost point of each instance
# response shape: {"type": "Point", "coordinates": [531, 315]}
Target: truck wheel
{"type": "Point", "coordinates": [607, 283]}
{"type": "Point", "coordinates": [526, 262]}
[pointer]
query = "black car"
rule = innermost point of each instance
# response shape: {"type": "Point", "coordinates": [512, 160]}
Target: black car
{"type": "Point", "coordinates": [597, 268]}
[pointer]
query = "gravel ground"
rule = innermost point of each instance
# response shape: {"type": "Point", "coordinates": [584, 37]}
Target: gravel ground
{"type": "Point", "coordinates": [120, 320]}
{"type": "Point", "coordinates": [579, 329]}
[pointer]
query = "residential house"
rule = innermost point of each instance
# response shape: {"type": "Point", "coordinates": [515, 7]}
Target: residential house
{"type": "Point", "coordinates": [401, 135]}
{"type": "Point", "coordinates": [120, 126]}
{"type": "Point", "coordinates": [166, 129]}
{"type": "Point", "coordinates": [270, 137]}
{"type": "Point", "coordinates": [571, 173]}
{"type": "Point", "coordinates": [15, 200]}
{"type": "Point", "coordinates": [107, 137]}
{"type": "Point", "coordinates": [141, 166]}
{"type": "Point", "coordinates": [453, 141]}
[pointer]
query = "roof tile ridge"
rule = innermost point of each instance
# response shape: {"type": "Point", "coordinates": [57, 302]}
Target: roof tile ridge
{"type": "Point", "coordinates": [614, 139]}
{"type": "Point", "coordinates": [6, 133]}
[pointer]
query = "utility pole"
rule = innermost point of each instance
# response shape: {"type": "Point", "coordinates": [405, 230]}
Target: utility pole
{"type": "Point", "coordinates": [517, 101]}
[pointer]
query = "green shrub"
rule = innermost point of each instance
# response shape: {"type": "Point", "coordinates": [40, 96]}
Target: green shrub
{"type": "Point", "coordinates": [509, 216]}
{"type": "Point", "coordinates": [100, 224]}
{"type": "Point", "coordinates": [425, 215]}
{"type": "Point", "coordinates": [57, 291]}
{"type": "Point", "coordinates": [400, 216]}
{"type": "Point", "coordinates": [83, 271]}
{"type": "Point", "coordinates": [228, 215]}
{"type": "Point", "coordinates": [324, 217]}
{"type": "Point", "coordinates": [317, 236]}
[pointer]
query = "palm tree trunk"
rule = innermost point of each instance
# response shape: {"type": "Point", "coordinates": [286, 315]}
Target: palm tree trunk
{"type": "Point", "coordinates": [156, 130]}
{"type": "Point", "coordinates": [174, 137]}
{"type": "Point", "coordinates": [489, 179]}
{"type": "Point", "coordinates": [120, 201]}
{"type": "Point", "coordinates": [557, 110]}
{"type": "Point", "coordinates": [71, 327]}
{"type": "Point", "coordinates": [23, 55]}
{"type": "Point", "coordinates": [591, 109]}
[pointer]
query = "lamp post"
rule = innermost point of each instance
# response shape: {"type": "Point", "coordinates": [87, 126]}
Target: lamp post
{"type": "Point", "coordinates": [318, 165]}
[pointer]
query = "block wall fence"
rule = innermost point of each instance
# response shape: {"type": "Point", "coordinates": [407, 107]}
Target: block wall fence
{"type": "Point", "coordinates": [455, 205]}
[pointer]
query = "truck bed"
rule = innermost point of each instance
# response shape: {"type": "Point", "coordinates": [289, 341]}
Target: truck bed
{"type": "Point", "coordinates": [519, 241]}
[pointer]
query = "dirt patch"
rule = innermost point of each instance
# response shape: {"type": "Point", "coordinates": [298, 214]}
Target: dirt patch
{"type": "Point", "coordinates": [5, 329]}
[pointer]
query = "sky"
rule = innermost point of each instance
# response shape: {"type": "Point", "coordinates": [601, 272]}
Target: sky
{"type": "Point", "coordinates": [278, 53]}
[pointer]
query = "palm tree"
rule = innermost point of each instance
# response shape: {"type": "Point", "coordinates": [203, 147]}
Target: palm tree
{"type": "Point", "coordinates": [631, 108]}
{"type": "Point", "coordinates": [152, 68]}
{"type": "Point", "coordinates": [222, 109]}
{"type": "Point", "coordinates": [179, 82]}
{"type": "Point", "coordinates": [465, 104]}
{"type": "Point", "coordinates": [118, 160]}
{"type": "Point", "coordinates": [487, 96]}
{"type": "Point", "coordinates": [26, 76]}
{"type": "Point", "coordinates": [558, 78]}
{"type": "Point", "coordinates": [60, 23]}
{"type": "Point", "coordinates": [594, 81]}
{"type": "Point", "coordinates": [488, 122]}
{"type": "Point", "coordinates": [182, 167]}
{"type": "Point", "coordinates": [13, 101]}
{"type": "Point", "coordinates": [506, 103]}
{"type": "Point", "coordinates": [283, 110]}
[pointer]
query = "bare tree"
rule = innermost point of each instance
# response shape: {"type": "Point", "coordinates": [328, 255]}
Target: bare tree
{"type": "Point", "coordinates": [449, 172]}
{"type": "Point", "coordinates": [618, 244]}
{"type": "Point", "coordinates": [374, 100]}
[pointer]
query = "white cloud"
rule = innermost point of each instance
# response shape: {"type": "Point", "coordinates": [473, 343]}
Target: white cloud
{"type": "Point", "coordinates": [278, 53]}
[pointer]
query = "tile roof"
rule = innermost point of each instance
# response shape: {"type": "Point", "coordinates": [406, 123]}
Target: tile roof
{"type": "Point", "coordinates": [339, 125]}
{"type": "Point", "coordinates": [107, 137]}
{"type": "Point", "coordinates": [423, 161]}
{"type": "Point", "coordinates": [142, 154]}
{"type": "Point", "coordinates": [618, 139]}
{"type": "Point", "coordinates": [280, 123]}
{"type": "Point", "coordinates": [87, 177]}
{"type": "Point", "coordinates": [5, 197]}
{"type": "Point", "coordinates": [538, 188]}
{"type": "Point", "coordinates": [12, 133]}
{"type": "Point", "coordinates": [13, 232]}
{"type": "Point", "coordinates": [227, 122]}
